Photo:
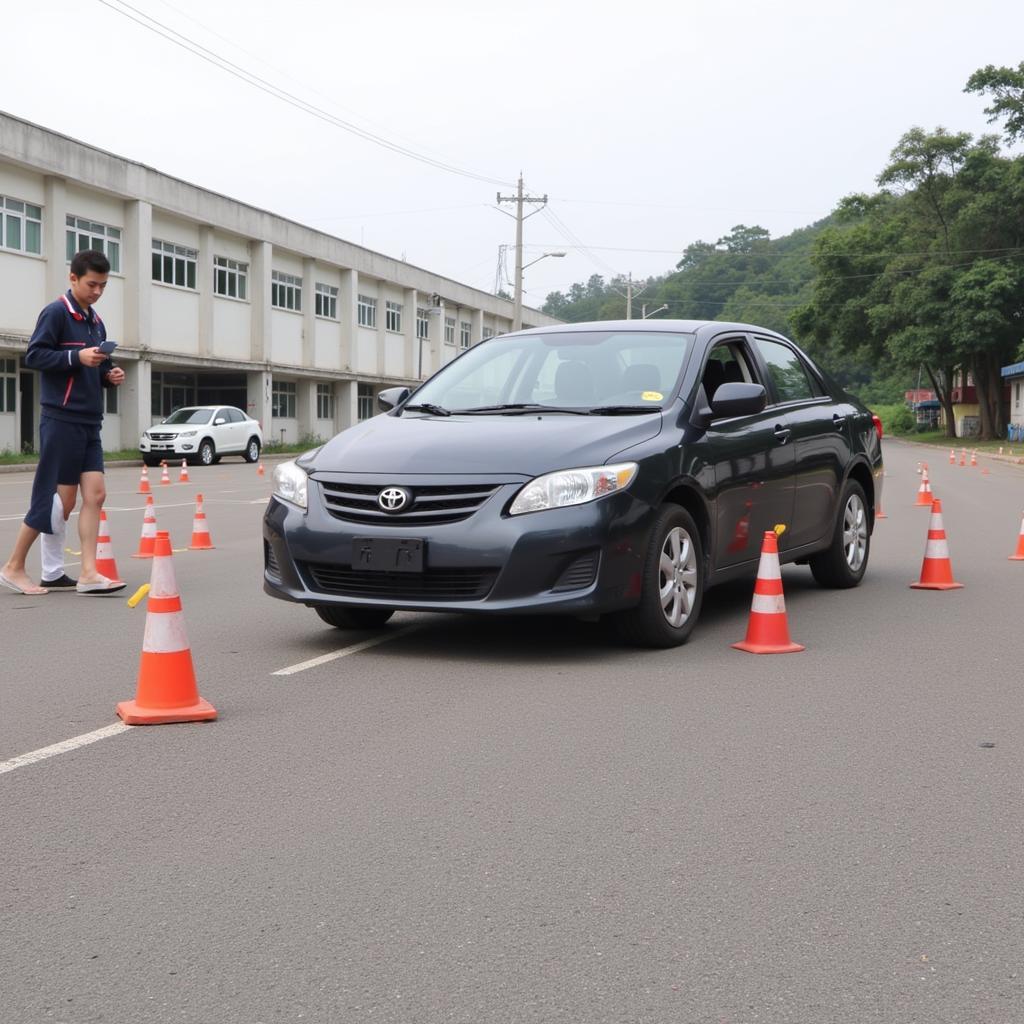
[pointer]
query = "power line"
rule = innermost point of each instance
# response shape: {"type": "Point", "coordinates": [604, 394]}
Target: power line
{"type": "Point", "coordinates": [251, 78]}
{"type": "Point", "coordinates": [800, 255]}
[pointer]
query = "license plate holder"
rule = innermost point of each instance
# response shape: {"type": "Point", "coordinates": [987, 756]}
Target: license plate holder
{"type": "Point", "coordinates": [387, 554]}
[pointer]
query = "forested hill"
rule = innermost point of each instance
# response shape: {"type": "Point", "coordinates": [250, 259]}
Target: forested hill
{"type": "Point", "coordinates": [745, 276]}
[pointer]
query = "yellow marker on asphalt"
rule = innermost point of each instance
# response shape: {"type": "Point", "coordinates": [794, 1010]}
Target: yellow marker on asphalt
{"type": "Point", "coordinates": [138, 595]}
{"type": "Point", "coordinates": [780, 529]}
{"type": "Point", "coordinates": [70, 552]}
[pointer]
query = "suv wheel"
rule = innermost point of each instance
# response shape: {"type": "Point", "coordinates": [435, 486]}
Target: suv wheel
{"type": "Point", "coordinates": [207, 453]}
{"type": "Point", "coordinates": [673, 584]}
{"type": "Point", "coordinates": [353, 618]}
{"type": "Point", "coordinates": [252, 450]}
{"type": "Point", "coordinates": [842, 564]}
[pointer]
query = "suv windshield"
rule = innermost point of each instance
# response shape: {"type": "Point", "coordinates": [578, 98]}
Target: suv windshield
{"type": "Point", "coordinates": [189, 416]}
{"type": "Point", "coordinates": [576, 370]}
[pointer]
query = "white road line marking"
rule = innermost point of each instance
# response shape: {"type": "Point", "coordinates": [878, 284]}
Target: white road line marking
{"type": "Point", "coordinates": [344, 652]}
{"type": "Point", "coordinates": [62, 748]}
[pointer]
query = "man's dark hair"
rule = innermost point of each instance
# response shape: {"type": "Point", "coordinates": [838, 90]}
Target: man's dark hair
{"type": "Point", "coordinates": [89, 259]}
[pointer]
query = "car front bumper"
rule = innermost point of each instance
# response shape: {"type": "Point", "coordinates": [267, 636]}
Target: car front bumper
{"type": "Point", "coordinates": [175, 446]}
{"type": "Point", "coordinates": [582, 560]}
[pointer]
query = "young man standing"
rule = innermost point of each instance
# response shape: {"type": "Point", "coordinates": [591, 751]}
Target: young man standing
{"type": "Point", "coordinates": [65, 347]}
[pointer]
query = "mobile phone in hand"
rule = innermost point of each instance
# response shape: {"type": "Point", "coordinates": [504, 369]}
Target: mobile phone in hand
{"type": "Point", "coordinates": [107, 347]}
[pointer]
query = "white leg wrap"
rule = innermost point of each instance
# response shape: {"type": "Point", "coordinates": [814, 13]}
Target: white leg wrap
{"type": "Point", "coordinates": [51, 545]}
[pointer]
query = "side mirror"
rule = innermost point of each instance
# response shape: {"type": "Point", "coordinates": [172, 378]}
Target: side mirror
{"type": "Point", "coordinates": [390, 397]}
{"type": "Point", "coordinates": [219, 421]}
{"type": "Point", "coordinates": [737, 399]}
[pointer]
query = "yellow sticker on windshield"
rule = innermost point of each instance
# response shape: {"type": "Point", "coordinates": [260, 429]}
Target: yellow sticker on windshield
{"type": "Point", "coordinates": [652, 396]}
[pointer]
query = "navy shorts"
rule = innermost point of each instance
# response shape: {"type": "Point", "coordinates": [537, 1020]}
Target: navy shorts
{"type": "Point", "coordinates": [66, 451]}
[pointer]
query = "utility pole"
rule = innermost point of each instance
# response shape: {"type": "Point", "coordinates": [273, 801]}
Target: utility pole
{"type": "Point", "coordinates": [630, 292]}
{"type": "Point", "coordinates": [519, 199]}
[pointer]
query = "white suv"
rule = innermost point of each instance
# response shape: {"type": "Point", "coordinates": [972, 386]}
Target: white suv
{"type": "Point", "coordinates": [202, 433]}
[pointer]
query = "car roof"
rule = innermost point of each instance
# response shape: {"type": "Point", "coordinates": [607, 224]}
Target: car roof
{"type": "Point", "coordinates": [654, 326]}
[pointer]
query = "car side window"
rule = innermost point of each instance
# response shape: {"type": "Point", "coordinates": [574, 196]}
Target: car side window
{"type": "Point", "coordinates": [787, 371]}
{"type": "Point", "coordinates": [235, 416]}
{"type": "Point", "coordinates": [726, 364]}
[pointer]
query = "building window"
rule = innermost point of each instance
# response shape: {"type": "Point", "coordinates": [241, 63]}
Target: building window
{"type": "Point", "coordinates": [326, 301]}
{"type": "Point", "coordinates": [282, 399]}
{"type": "Point", "coordinates": [367, 311]}
{"type": "Point", "coordinates": [230, 277]}
{"type": "Point", "coordinates": [487, 332]}
{"type": "Point", "coordinates": [422, 324]}
{"type": "Point", "coordinates": [449, 330]}
{"type": "Point", "coordinates": [8, 385]}
{"type": "Point", "coordinates": [111, 405]}
{"type": "Point", "coordinates": [393, 316]}
{"type": "Point", "coordinates": [87, 234]}
{"type": "Point", "coordinates": [21, 226]}
{"type": "Point", "coordinates": [174, 264]}
{"type": "Point", "coordinates": [286, 291]}
{"type": "Point", "coordinates": [364, 399]}
{"type": "Point", "coordinates": [324, 402]}
{"type": "Point", "coordinates": [465, 327]}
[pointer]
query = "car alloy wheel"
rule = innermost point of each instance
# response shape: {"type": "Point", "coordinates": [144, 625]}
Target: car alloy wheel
{"type": "Point", "coordinates": [855, 532]}
{"type": "Point", "coordinates": [206, 453]}
{"type": "Point", "coordinates": [252, 453]}
{"type": "Point", "coordinates": [678, 577]}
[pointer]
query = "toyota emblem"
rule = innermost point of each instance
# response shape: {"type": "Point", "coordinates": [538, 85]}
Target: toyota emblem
{"type": "Point", "coordinates": [393, 499]}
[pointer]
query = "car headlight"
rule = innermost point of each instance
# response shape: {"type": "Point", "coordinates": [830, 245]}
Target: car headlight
{"type": "Point", "coordinates": [188, 433]}
{"type": "Point", "coordinates": [290, 483]}
{"type": "Point", "coordinates": [573, 487]}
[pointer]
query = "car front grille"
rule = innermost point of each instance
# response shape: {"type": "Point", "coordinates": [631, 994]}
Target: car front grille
{"type": "Point", "coordinates": [432, 585]}
{"type": "Point", "coordinates": [162, 437]}
{"type": "Point", "coordinates": [431, 504]}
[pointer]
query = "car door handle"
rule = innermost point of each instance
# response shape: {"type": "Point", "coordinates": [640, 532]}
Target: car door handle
{"type": "Point", "coordinates": [782, 433]}
{"type": "Point", "coordinates": [838, 421]}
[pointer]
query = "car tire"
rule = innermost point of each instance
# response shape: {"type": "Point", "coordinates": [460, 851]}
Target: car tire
{"type": "Point", "coordinates": [672, 586]}
{"type": "Point", "coordinates": [206, 455]}
{"type": "Point", "coordinates": [843, 563]}
{"type": "Point", "coordinates": [353, 618]}
{"type": "Point", "coordinates": [252, 450]}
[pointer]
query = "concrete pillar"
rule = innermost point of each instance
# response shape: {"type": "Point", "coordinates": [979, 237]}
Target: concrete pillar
{"type": "Point", "coordinates": [308, 319]}
{"type": "Point", "coordinates": [382, 337]}
{"type": "Point", "coordinates": [348, 314]}
{"type": "Point", "coordinates": [257, 401]}
{"type": "Point", "coordinates": [409, 345]}
{"type": "Point", "coordinates": [204, 284]}
{"type": "Point", "coordinates": [134, 400]}
{"type": "Point", "coordinates": [55, 200]}
{"type": "Point", "coordinates": [137, 266]}
{"type": "Point", "coordinates": [346, 404]}
{"type": "Point", "coordinates": [477, 330]}
{"type": "Point", "coordinates": [438, 348]}
{"type": "Point", "coordinates": [260, 260]}
{"type": "Point", "coordinates": [305, 407]}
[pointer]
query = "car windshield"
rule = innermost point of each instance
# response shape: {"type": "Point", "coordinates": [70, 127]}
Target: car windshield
{"type": "Point", "coordinates": [618, 370]}
{"type": "Point", "coordinates": [189, 416]}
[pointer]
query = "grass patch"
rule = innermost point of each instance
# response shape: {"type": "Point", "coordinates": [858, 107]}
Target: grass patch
{"type": "Point", "coordinates": [9, 458]}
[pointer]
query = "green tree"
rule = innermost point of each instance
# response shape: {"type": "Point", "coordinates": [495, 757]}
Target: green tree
{"type": "Point", "coordinates": [1005, 87]}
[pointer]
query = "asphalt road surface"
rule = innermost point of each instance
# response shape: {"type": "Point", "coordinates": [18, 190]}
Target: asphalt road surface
{"type": "Point", "coordinates": [517, 820]}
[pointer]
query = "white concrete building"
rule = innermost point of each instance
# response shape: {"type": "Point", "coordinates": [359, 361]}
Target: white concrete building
{"type": "Point", "coordinates": [211, 300]}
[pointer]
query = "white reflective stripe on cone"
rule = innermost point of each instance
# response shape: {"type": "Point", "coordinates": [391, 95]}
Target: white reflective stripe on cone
{"type": "Point", "coordinates": [165, 633]}
{"type": "Point", "coordinates": [199, 526]}
{"type": "Point", "coordinates": [163, 583]}
{"type": "Point", "coordinates": [103, 549]}
{"type": "Point", "coordinates": [768, 604]}
{"type": "Point", "coordinates": [936, 549]}
{"type": "Point", "coordinates": [769, 568]}
{"type": "Point", "coordinates": [149, 528]}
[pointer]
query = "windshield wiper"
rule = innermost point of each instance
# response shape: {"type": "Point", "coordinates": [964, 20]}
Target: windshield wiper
{"type": "Point", "coordinates": [622, 410]}
{"type": "Point", "coordinates": [519, 408]}
{"type": "Point", "coordinates": [434, 410]}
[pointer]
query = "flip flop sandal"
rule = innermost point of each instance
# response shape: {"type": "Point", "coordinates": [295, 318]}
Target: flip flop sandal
{"type": "Point", "coordinates": [20, 590]}
{"type": "Point", "coordinates": [104, 587]}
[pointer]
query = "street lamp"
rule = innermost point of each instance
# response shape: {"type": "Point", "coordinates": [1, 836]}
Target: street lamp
{"type": "Point", "coordinates": [517, 306]}
{"type": "Point", "coordinates": [644, 314]}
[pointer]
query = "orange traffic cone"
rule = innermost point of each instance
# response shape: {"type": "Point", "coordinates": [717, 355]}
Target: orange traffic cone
{"type": "Point", "coordinates": [183, 475]}
{"type": "Point", "coordinates": [974, 457]}
{"type": "Point", "coordinates": [166, 689]}
{"type": "Point", "coordinates": [963, 457]}
{"type": "Point", "coordinates": [952, 457]}
{"type": "Point", "coordinates": [936, 569]}
{"type": "Point", "coordinates": [768, 630]}
{"type": "Point", "coordinates": [260, 471]}
{"type": "Point", "coordinates": [200, 531]}
{"type": "Point", "coordinates": [924, 493]}
{"type": "Point", "coordinates": [1019, 555]}
{"type": "Point", "coordinates": [880, 514]}
{"type": "Point", "coordinates": [918, 470]}
{"type": "Point", "coordinates": [144, 487]}
{"type": "Point", "coordinates": [165, 477]}
{"type": "Point", "coordinates": [148, 538]}
{"type": "Point", "coordinates": [105, 563]}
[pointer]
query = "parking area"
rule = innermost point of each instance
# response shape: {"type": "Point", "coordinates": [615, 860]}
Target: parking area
{"type": "Point", "coordinates": [517, 819]}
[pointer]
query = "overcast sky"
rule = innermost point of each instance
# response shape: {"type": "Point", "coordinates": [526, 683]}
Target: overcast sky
{"type": "Point", "coordinates": [649, 125]}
